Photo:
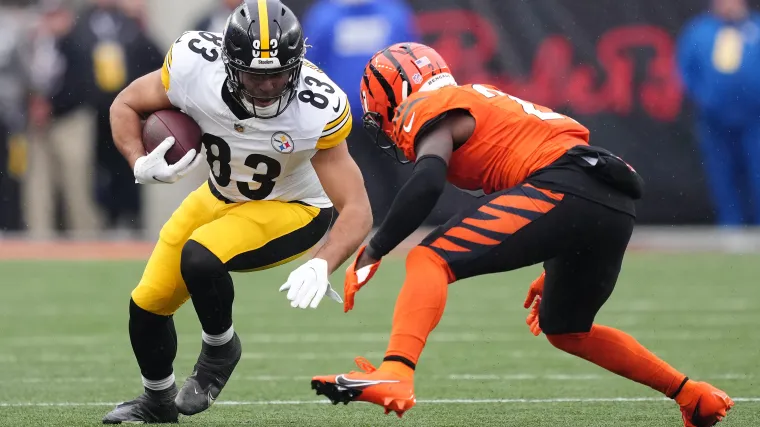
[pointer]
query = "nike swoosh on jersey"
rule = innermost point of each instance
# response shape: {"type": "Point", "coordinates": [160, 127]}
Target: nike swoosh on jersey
{"type": "Point", "coordinates": [336, 109]}
{"type": "Point", "coordinates": [408, 126]}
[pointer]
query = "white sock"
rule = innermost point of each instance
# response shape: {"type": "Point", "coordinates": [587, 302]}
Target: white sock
{"type": "Point", "coordinates": [158, 385]}
{"type": "Point", "coordinates": [217, 340]}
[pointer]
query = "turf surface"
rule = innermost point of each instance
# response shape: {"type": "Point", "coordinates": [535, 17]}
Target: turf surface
{"type": "Point", "coordinates": [66, 357]}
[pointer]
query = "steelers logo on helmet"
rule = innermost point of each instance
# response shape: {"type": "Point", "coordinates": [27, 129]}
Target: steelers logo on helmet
{"type": "Point", "coordinates": [282, 143]}
{"type": "Point", "coordinates": [263, 49]}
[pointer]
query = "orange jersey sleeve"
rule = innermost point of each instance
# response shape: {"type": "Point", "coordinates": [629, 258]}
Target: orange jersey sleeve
{"type": "Point", "coordinates": [417, 113]}
{"type": "Point", "coordinates": [512, 138]}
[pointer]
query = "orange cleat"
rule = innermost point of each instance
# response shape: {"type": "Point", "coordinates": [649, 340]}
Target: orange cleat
{"type": "Point", "coordinates": [387, 389]}
{"type": "Point", "coordinates": [703, 405]}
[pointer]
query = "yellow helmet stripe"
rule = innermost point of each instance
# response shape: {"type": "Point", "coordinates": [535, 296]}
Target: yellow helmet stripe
{"type": "Point", "coordinates": [264, 28]}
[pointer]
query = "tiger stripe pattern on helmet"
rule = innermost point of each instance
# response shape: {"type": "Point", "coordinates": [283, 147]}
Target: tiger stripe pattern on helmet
{"type": "Point", "coordinates": [392, 75]}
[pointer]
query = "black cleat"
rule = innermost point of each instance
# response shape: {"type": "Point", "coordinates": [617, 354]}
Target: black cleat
{"type": "Point", "coordinates": [210, 374]}
{"type": "Point", "coordinates": [334, 392]}
{"type": "Point", "coordinates": [151, 407]}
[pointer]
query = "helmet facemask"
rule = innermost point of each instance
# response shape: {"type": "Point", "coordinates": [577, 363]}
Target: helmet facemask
{"type": "Point", "coordinates": [373, 125]}
{"type": "Point", "coordinates": [376, 124]}
{"type": "Point", "coordinates": [263, 103]}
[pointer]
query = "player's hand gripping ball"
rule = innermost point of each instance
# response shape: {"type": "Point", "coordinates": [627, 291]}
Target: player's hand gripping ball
{"type": "Point", "coordinates": [172, 141]}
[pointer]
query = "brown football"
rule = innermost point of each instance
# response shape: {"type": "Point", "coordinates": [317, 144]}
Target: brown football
{"type": "Point", "coordinates": [165, 123]}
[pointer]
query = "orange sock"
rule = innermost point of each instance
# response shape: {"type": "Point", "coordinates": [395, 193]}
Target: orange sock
{"type": "Point", "coordinates": [620, 353]}
{"type": "Point", "coordinates": [419, 306]}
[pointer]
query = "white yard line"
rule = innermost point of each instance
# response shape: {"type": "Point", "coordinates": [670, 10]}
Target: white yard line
{"type": "Point", "coordinates": [421, 401]}
{"type": "Point", "coordinates": [349, 337]}
{"type": "Point", "coordinates": [54, 357]}
{"type": "Point", "coordinates": [567, 377]}
{"type": "Point", "coordinates": [109, 358]}
{"type": "Point", "coordinates": [449, 377]}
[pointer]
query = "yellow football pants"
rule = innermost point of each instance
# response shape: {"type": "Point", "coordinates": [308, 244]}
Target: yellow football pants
{"type": "Point", "coordinates": [247, 236]}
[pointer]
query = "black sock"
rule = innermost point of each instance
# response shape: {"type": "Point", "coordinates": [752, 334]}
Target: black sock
{"type": "Point", "coordinates": [154, 342]}
{"type": "Point", "coordinates": [401, 359]}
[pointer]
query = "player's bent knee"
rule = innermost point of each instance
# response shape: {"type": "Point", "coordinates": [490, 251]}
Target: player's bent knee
{"type": "Point", "coordinates": [142, 318]}
{"type": "Point", "coordinates": [198, 262]}
{"type": "Point", "coordinates": [560, 325]}
{"type": "Point", "coordinates": [419, 254]}
{"type": "Point", "coordinates": [570, 343]}
{"type": "Point", "coordinates": [158, 300]}
{"type": "Point", "coordinates": [425, 260]}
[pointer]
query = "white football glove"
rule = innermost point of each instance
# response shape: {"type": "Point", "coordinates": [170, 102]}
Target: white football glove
{"type": "Point", "coordinates": [308, 284]}
{"type": "Point", "coordinates": [152, 168]}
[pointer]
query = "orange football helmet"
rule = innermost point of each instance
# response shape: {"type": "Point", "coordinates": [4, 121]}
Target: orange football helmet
{"type": "Point", "coordinates": [391, 75]}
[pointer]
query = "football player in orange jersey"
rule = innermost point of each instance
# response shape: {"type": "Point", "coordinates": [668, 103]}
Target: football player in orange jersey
{"type": "Point", "coordinates": [549, 197]}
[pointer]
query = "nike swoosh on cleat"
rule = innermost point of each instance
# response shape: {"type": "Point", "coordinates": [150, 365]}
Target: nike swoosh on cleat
{"type": "Point", "coordinates": [341, 380]}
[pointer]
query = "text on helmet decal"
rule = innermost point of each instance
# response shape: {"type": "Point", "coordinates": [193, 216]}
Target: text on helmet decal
{"type": "Point", "coordinates": [265, 63]}
{"type": "Point", "coordinates": [438, 81]}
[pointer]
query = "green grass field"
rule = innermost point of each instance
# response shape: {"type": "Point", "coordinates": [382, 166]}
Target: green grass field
{"type": "Point", "coordinates": [66, 357]}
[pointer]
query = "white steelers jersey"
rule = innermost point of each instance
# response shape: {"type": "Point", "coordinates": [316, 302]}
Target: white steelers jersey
{"type": "Point", "coordinates": [251, 158]}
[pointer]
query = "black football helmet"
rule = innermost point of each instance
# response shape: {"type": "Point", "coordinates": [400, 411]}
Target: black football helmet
{"type": "Point", "coordinates": [263, 39]}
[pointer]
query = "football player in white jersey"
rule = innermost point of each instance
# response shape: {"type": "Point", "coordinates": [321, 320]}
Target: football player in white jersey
{"type": "Point", "coordinates": [274, 129]}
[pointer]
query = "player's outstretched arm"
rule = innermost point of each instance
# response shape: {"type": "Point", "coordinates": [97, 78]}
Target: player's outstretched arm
{"type": "Point", "coordinates": [137, 101]}
{"type": "Point", "coordinates": [418, 195]}
{"type": "Point", "coordinates": [344, 185]}
{"type": "Point", "coordinates": [415, 200]}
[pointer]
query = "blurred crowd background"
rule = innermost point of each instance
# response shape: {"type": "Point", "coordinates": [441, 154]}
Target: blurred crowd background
{"type": "Point", "coordinates": [672, 86]}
